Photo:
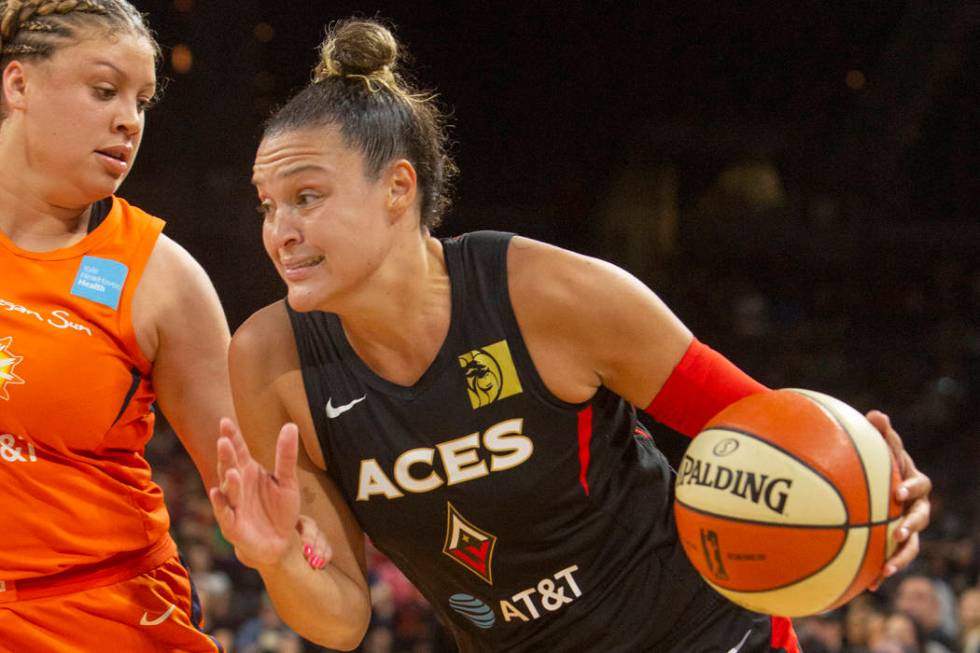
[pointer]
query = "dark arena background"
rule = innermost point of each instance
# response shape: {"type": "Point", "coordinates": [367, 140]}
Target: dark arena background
{"type": "Point", "coordinates": [797, 180]}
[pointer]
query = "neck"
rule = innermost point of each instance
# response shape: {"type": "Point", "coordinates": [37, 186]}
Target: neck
{"type": "Point", "coordinates": [33, 222]}
{"type": "Point", "coordinates": [398, 326]}
{"type": "Point", "coordinates": [411, 286]}
{"type": "Point", "coordinates": [39, 227]}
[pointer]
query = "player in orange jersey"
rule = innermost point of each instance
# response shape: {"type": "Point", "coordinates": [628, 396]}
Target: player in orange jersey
{"type": "Point", "coordinates": [100, 317]}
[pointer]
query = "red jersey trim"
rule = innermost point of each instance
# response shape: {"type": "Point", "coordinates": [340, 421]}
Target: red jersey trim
{"type": "Point", "coordinates": [584, 444]}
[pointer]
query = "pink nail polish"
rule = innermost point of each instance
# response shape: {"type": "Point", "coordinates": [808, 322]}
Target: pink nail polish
{"type": "Point", "coordinates": [321, 563]}
{"type": "Point", "coordinates": [307, 551]}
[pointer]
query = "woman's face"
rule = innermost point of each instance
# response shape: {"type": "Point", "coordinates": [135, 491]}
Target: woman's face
{"type": "Point", "coordinates": [326, 226]}
{"type": "Point", "coordinates": [83, 112]}
{"type": "Point", "coordinates": [900, 629]}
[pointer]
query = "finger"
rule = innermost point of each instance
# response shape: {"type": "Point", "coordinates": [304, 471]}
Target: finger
{"type": "Point", "coordinates": [287, 452]}
{"type": "Point", "coordinates": [883, 423]}
{"type": "Point", "coordinates": [316, 549]}
{"type": "Point", "coordinates": [232, 432]}
{"type": "Point", "coordinates": [307, 529]}
{"type": "Point", "coordinates": [232, 488]}
{"type": "Point", "coordinates": [916, 485]}
{"type": "Point", "coordinates": [903, 557]}
{"type": "Point", "coordinates": [223, 512]}
{"type": "Point", "coordinates": [916, 520]}
{"type": "Point", "coordinates": [307, 534]}
{"type": "Point", "coordinates": [323, 549]}
{"type": "Point", "coordinates": [226, 458]}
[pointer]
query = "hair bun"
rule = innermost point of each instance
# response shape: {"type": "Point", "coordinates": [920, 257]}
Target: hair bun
{"type": "Point", "coordinates": [363, 48]}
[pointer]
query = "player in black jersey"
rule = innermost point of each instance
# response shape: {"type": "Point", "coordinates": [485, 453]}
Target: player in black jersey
{"type": "Point", "coordinates": [468, 403]}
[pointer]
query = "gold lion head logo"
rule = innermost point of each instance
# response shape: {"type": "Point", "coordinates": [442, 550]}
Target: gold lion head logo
{"type": "Point", "coordinates": [483, 377]}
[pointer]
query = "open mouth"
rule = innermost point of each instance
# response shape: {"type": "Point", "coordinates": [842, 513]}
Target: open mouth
{"type": "Point", "coordinates": [308, 263]}
{"type": "Point", "coordinates": [119, 153]}
{"type": "Point", "coordinates": [113, 156]}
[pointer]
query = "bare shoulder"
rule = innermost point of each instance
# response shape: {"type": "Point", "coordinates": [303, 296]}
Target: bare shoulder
{"type": "Point", "coordinates": [267, 381]}
{"type": "Point", "coordinates": [587, 322]}
{"type": "Point", "coordinates": [173, 278]}
{"type": "Point", "coordinates": [174, 287]}
{"type": "Point", "coordinates": [545, 278]}
{"type": "Point", "coordinates": [170, 258]}
{"type": "Point", "coordinates": [265, 341]}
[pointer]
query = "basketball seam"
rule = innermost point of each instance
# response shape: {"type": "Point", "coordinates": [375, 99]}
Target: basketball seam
{"type": "Point", "coordinates": [742, 520]}
{"type": "Point", "coordinates": [867, 489]}
{"type": "Point", "coordinates": [789, 454]}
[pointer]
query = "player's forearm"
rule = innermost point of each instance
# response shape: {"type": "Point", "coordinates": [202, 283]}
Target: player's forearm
{"type": "Point", "coordinates": [324, 606]}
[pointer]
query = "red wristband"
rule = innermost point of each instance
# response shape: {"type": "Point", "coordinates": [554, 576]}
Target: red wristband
{"type": "Point", "coordinates": [700, 386]}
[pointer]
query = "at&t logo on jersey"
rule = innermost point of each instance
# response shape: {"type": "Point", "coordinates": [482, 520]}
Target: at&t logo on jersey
{"type": "Point", "coordinates": [547, 595]}
{"type": "Point", "coordinates": [490, 374]}
{"type": "Point", "coordinates": [469, 545]}
{"type": "Point", "coordinates": [8, 361]}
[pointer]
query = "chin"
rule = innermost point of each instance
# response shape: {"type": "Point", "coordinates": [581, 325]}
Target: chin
{"type": "Point", "coordinates": [302, 301]}
{"type": "Point", "coordinates": [100, 190]}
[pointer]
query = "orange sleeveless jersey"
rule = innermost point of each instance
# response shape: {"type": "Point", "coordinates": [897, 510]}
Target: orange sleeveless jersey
{"type": "Point", "coordinates": [76, 402]}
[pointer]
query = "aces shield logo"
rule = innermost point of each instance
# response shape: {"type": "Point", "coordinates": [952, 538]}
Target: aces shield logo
{"type": "Point", "coordinates": [469, 545]}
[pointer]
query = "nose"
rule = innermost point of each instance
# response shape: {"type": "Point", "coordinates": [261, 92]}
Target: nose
{"type": "Point", "coordinates": [282, 231]}
{"type": "Point", "coordinates": [128, 120]}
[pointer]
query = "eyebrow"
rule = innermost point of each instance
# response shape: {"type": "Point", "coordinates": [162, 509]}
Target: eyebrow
{"type": "Point", "coordinates": [119, 71]}
{"type": "Point", "coordinates": [295, 170]}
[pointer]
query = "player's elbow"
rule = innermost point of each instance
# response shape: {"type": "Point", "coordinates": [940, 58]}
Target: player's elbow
{"type": "Point", "coordinates": [357, 629]}
{"type": "Point", "coordinates": [346, 633]}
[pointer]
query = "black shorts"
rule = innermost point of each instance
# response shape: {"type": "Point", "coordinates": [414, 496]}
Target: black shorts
{"type": "Point", "coordinates": [723, 627]}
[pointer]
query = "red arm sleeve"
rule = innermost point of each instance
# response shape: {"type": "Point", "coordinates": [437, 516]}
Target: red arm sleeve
{"type": "Point", "coordinates": [700, 386]}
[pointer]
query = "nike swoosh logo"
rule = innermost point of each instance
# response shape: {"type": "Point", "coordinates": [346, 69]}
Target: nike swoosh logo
{"type": "Point", "coordinates": [738, 647]}
{"type": "Point", "coordinates": [337, 411]}
{"type": "Point", "coordinates": [159, 620]}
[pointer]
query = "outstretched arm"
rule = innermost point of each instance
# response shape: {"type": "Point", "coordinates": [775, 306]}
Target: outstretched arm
{"type": "Point", "coordinates": [181, 328]}
{"type": "Point", "coordinates": [258, 509]}
{"type": "Point", "coordinates": [593, 324]}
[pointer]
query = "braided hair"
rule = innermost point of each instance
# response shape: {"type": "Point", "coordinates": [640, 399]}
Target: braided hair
{"type": "Point", "coordinates": [35, 29]}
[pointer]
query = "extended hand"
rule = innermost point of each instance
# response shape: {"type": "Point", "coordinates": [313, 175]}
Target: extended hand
{"type": "Point", "coordinates": [257, 511]}
{"type": "Point", "coordinates": [913, 492]}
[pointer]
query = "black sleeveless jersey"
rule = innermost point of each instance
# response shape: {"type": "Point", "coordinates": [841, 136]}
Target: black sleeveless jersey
{"type": "Point", "coordinates": [529, 524]}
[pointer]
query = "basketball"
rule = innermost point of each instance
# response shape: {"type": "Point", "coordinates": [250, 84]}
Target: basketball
{"type": "Point", "coordinates": [785, 502]}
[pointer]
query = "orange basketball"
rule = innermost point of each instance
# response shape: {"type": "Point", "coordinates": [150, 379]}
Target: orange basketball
{"type": "Point", "coordinates": [786, 502]}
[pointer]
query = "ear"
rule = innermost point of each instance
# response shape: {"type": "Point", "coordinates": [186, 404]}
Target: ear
{"type": "Point", "coordinates": [402, 187]}
{"type": "Point", "coordinates": [14, 85]}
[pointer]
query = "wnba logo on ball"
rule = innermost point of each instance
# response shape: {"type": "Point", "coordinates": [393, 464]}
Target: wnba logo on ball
{"type": "Point", "coordinates": [725, 447]}
{"type": "Point", "coordinates": [760, 489]}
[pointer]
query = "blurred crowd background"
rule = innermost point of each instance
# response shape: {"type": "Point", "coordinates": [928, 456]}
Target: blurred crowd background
{"type": "Point", "coordinates": [798, 181]}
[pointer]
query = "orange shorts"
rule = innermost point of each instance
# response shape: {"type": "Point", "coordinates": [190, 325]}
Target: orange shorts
{"type": "Point", "coordinates": [156, 611]}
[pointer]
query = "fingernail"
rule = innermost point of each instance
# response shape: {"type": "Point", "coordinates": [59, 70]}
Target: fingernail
{"type": "Point", "coordinates": [307, 550]}
{"type": "Point", "coordinates": [321, 563]}
{"type": "Point", "coordinates": [903, 493]}
{"type": "Point", "coordinates": [890, 570]}
{"type": "Point", "coordinates": [315, 560]}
